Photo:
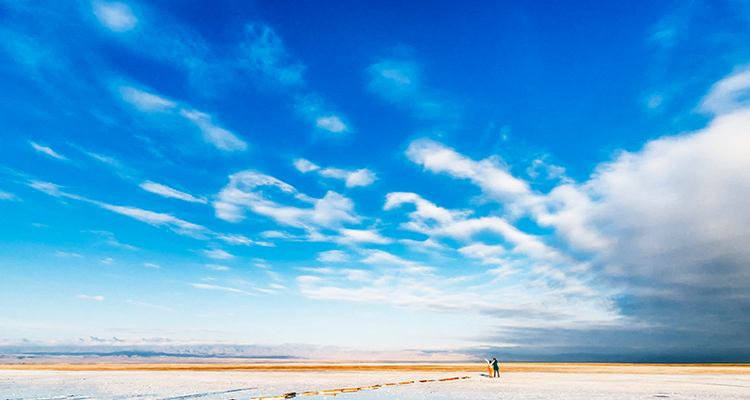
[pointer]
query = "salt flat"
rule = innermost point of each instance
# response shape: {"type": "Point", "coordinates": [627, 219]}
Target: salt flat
{"type": "Point", "coordinates": [247, 384]}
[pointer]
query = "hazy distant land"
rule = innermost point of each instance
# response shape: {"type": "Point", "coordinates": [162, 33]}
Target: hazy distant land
{"type": "Point", "coordinates": [405, 367]}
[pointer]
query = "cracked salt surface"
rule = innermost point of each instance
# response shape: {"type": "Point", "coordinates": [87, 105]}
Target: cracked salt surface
{"type": "Point", "coordinates": [245, 385]}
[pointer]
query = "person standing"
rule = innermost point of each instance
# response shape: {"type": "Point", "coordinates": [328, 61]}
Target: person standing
{"type": "Point", "coordinates": [489, 368]}
{"type": "Point", "coordinates": [495, 368]}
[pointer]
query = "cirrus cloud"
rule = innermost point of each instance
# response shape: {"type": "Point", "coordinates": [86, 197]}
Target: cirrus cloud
{"type": "Point", "coordinates": [167, 191]}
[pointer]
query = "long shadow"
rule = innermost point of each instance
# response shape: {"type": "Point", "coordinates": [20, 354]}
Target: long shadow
{"type": "Point", "coordinates": [85, 397]}
{"type": "Point", "coordinates": [714, 384]}
{"type": "Point", "coordinates": [64, 397]}
{"type": "Point", "coordinates": [192, 396]}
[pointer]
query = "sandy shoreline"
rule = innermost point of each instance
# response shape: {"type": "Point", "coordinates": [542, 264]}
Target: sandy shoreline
{"type": "Point", "coordinates": [590, 368]}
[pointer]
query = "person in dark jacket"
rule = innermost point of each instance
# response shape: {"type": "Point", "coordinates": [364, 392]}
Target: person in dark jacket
{"type": "Point", "coordinates": [495, 368]}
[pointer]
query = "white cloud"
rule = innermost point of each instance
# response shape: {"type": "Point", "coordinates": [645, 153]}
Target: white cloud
{"type": "Point", "coordinates": [7, 196]}
{"type": "Point", "coordinates": [333, 256]}
{"type": "Point", "coordinates": [438, 222]}
{"type": "Point", "coordinates": [403, 289]}
{"type": "Point", "coordinates": [263, 52]}
{"type": "Point", "coordinates": [47, 151]}
{"type": "Point", "coordinates": [256, 192]}
{"type": "Point", "coordinates": [151, 265]}
{"type": "Point", "coordinates": [166, 191]}
{"type": "Point", "coordinates": [116, 16]}
{"type": "Point", "coordinates": [153, 104]}
{"type": "Point", "coordinates": [109, 239]}
{"type": "Point", "coordinates": [146, 102]}
{"type": "Point", "coordinates": [729, 94]}
{"type": "Point", "coordinates": [566, 209]}
{"type": "Point", "coordinates": [122, 170]}
{"type": "Point", "coordinates": [106, 160]}
{"type": "Point", "coordinates": [262, 290]}
{"type": "Point", "coordinates": [352, 178]}
{"type": "Point", "coordinates": [522, 242]}
{"type": "Point", "coordinates": [663, 231]}
{"type": "Point", "coordinates": [541, 169]}
{"type": "Point", "coordinates": [399, 82]}
{"type": "Point", "coordinates": [486, 253]}
{"type": "Point", "coordinates": [305, 166]}
{"type": "Point", "coordinates": [261, 56]}
{"type": "Point", "coordinates": [138, 303]}
{"type": "Point", "coordinates": [315, 109]}
{"type": "Point", "coordinates": [96, 298]}
{"type": "Point", "coordinates": [680, 194]}
{"type": "Point", "coordinates": [671, 224]}
{"type": "Point", "coordinates": [357, 236]}
{"type": "Point", "coordinates": [240, 194]}
{"type": "Point", "coordinates": [360, 177]}
{"type": "Point", "coordinates": [277, 235]}
{"type": "Point", "coordinates": [65, 254]}
{"type": "Point", "coordinates": [426, 245]}
{"type": "Point", "coordinates": [386, 258]}
{"type": "Point", "coordinates": [494, 179]}
{"type": "Point", "coordinates": [332, 211]}
{"type": "Point", "coordinates": [654, 101]}
{"type": "Point", "coordinates": [395, 76]}
{"type": "Point", "coordinates": [396, 80]}
{"type": "Point", "coordinates": [218, 254]}
{"type": "Point", "coordinates": [51, 189]}
{"type": "Point", "coordinates": [427, 214]}
{"type": "Point", "coordinates": [335, 173]}
{"type": "Point", "coordinates": [150, 217]}
{"type": "Point", "coordinates": [236, 239]}
{"type": "Point", "coordinates": [542, 301]}
{"type": "Point", "coordinates": [217, 267]}
{"type": "Point", "coordinates": [220, 288]}
{"type": "Point", "coordinates": [331, 123]}
{"type": "Point", "coordinates": [158, 219]}
{"type": "Point", "coordinates": [349, 274]}
{"type": "Point", "coordinates": [219, 137]}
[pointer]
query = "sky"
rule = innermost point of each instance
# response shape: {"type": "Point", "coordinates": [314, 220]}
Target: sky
{"type": "Point", "coordinates": [528, 180]}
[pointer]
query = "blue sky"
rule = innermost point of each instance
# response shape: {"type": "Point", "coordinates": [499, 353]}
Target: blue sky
{"type": "Point", "coordinates": [418, 180]}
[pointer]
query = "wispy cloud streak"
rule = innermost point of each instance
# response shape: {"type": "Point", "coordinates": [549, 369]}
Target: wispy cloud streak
{"type": "Point", "coordinates": [48, 151]}
{"type": "Point", "coordinates": [221, 288]}
{"type": "Point", "coordinates": [159, 107]}
{"type": "Point", "coordinates": [166, 191]}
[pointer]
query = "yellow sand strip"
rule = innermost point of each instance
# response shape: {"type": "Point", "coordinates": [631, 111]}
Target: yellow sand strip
{"type": "Point", "coordinates": [334, 392]}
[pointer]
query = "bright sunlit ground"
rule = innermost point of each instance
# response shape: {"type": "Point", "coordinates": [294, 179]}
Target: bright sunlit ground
{"type": "Point", "coordinates": [527, 381]}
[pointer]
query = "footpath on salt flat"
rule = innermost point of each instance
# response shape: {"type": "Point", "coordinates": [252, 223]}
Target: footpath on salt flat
{"type": "Point", "coordinates": [254, 383]}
